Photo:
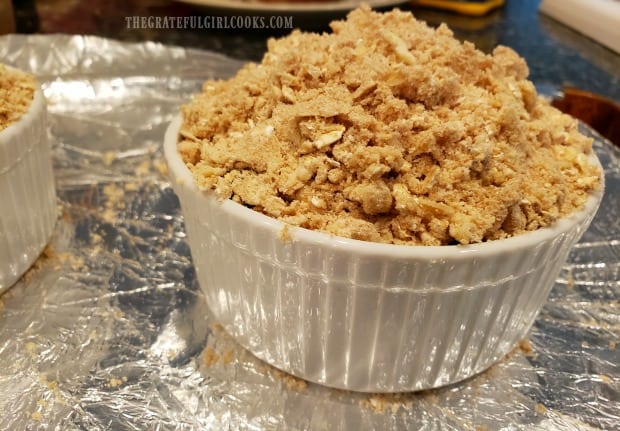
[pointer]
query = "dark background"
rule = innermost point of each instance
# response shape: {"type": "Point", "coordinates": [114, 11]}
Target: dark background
{"type": "Point", "coordinates": [557, 55]}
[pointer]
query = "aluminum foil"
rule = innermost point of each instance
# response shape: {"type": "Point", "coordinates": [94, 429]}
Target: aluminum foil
{"type": "Point", "coordinates": [109, 330]}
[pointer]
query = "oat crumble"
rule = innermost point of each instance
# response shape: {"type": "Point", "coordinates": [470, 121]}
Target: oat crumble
{"type": "Point", "coordinates": [16, 95]}
{"type": "Point", "coordinates": [390, 131]}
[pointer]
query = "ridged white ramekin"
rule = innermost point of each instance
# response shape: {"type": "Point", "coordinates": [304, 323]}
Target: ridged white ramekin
{"type": "Point", "coordinates": [366, 316]}
{"type": "Point", "coordinates": [28, 208]}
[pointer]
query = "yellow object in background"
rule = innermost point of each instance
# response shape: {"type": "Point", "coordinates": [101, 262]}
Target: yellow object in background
{"type": "Point", "coordinates": [466, 7]}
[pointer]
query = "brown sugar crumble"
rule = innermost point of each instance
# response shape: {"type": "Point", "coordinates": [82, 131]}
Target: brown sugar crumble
{"type": "Point", "coordinates": [525, 346]}
{"type": "Point", "coordinates": [16, 95]}
{"type": "Point", "coordinates": [390, 131]}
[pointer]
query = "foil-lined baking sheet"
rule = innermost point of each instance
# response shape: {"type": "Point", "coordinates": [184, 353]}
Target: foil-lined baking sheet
{"type": "Point", "coordinates": [109, 330]}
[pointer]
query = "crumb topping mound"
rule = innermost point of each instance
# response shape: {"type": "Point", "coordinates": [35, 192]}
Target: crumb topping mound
{"type": "Point", "coordinates": [16, 94]}
{"type": "Point", "coordinates": [390, 131]}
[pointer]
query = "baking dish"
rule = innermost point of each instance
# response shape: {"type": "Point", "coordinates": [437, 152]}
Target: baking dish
{"type": "Point", "coordinates": [28, 199]}
{"type": "Point", "coordinates": [366, 316]}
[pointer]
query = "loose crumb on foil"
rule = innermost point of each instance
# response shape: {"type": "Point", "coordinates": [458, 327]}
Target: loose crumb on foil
{"type": "Point", "coordinates": [540, 409]}
{"type": "Point", "coordinates": [16, 95]}
{"type": "Point", "coordinates": [291, 382]}
{"type": "Point", "coordinates": [211, 357]}
{"type": "Point", "coordinates": [388, 130]}
{"type": "Point", "coordinates": [525, 346]}
{"type": "Point", "coordinates": [115, 382]}
{"type": "Point", "coordinates": [222, 349]}
{"type": "Point", "coordinates": [381, 403]}
{"type": "Point", "coordinates": [49, 255]}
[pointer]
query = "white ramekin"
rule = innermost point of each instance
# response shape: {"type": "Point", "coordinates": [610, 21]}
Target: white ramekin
{"type": "Point", "coordinates": [366, 316]}
{"type": "Point", "coordinates": [28, 208]}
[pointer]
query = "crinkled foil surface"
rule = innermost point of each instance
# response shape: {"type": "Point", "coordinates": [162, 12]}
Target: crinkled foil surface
{"type": "Point", "coordinates": [108, 330]}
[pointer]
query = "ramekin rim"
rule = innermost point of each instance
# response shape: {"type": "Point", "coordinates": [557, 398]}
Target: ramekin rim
{"type": "Point", "coordinates": [181, 176]}
{"type": "Point", "coordinates": [26, 117]}
{"type": "Point", "coordinates": [15, 129]}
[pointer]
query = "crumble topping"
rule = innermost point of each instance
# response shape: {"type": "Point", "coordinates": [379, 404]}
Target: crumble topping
{"type": "Point", "coordinates": [390, 131]}
{"type": "Point", "coordinates": [16, 94]}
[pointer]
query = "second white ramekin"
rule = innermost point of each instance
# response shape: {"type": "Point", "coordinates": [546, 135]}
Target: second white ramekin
{"type": "Point", "coordinates": [28, 209]}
